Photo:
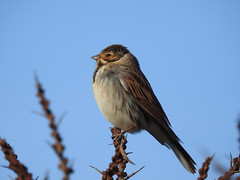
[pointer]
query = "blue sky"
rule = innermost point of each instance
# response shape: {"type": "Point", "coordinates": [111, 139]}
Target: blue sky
{"type": "Point", "coordinates": [189, 51]}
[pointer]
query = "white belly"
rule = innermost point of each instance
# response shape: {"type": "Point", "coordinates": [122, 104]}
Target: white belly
{"type": "Point", "coordinates": [113, 106]}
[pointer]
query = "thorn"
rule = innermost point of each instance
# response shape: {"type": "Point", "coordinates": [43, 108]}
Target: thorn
{"type": "Point", "coordinates": [96, 169]}
{"type": "Point", "coordinates": [39, 113]}
{"type": "Point", "coordinates": [124, 153]}
{"type": "Point", "coordinates": [60, 119]}
{"type": "Point", "coordinates": [129, 176]}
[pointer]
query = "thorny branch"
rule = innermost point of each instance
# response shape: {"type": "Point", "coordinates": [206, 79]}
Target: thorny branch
{"type": "Point", "coordinates": [119, 160]}
{"type": "Point", "coordinates": [57, 146]}
{"type": "Point", "coordinates": [15, 164]}
{"type": "Point", "coordinates": [234, 168]}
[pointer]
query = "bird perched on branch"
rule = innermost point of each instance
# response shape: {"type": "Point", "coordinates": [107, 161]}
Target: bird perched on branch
{"type": "Point", "coordinates": [127, 100]}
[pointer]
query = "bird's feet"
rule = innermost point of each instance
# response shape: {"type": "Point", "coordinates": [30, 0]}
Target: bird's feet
{"type": "Point", "coordinates": [118, 134]}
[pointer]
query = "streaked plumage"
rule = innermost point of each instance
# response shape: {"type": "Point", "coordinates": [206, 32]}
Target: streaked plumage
{"type": "Point", "coordinates": [127, 100]}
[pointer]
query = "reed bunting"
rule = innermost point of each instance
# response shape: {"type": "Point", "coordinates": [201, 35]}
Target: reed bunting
{"type": "Point", "coordinates": [127, 100]}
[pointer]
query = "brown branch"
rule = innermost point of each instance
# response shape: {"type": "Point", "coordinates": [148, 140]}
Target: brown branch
{"type": "Point", "coordinates": [234, 168]}
{"type": "Point", "coordinates": [119, 160]}
{"type": "Point", "coordinates": [14, 164]}
{"type": "Point", "coordinates": [204, 169]}
{"type": "Point", "coordinates": [239, 132]}
{"type": "Point", "coordinates": [58, 147]}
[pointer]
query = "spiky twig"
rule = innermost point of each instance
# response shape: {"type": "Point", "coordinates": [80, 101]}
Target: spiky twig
{"type": "Point", "coordinates": [204, 169]}
{"type": "Point", "coordinates": [119, 160]}
{"type": "Point", "coordinates": [15, 164]}
{"type": "Point", "coordinates": [234, 168]}
{"type": "Point", "coordinates": [57, 146]}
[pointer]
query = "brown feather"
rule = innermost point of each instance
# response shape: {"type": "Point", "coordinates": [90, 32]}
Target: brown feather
{"type": "Point", "coordinates": [139, 87]}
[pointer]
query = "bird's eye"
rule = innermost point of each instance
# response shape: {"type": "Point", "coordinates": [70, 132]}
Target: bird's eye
{"type": "Point", "coordinates": [108, 55]}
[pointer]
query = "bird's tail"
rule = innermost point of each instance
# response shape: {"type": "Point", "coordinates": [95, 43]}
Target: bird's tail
{"type": "Point", "coordinates": [183, 157]}
{"type": "Point", "coordinates": [169, 139]}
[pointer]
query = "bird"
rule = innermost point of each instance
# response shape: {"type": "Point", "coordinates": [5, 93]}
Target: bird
{"type": "Point", "coordinates": [126, 99]}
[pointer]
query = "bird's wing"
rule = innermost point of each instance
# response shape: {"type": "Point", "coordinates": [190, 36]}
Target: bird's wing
{"type": "Point", "coordinates": [139, 87]}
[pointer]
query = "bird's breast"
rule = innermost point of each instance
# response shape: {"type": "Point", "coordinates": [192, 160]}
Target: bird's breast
{"type": "Point", "coordinates": [112, 99]}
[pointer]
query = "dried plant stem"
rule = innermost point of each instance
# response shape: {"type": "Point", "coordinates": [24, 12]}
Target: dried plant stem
{"type": "Point", "coordinates": [234, 168]}
{"type": "Point", "coordinates": [119, 160]}
{"type": "Point", "coordinates": [204, 169]}
{"type": "Point", "coordinates": [15, 165]}
{"type": "Point", "coordinates": [57, 146]}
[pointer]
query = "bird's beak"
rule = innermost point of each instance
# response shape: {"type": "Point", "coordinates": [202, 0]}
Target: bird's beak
{"type": "Point", "coordinates": [96, 57]}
